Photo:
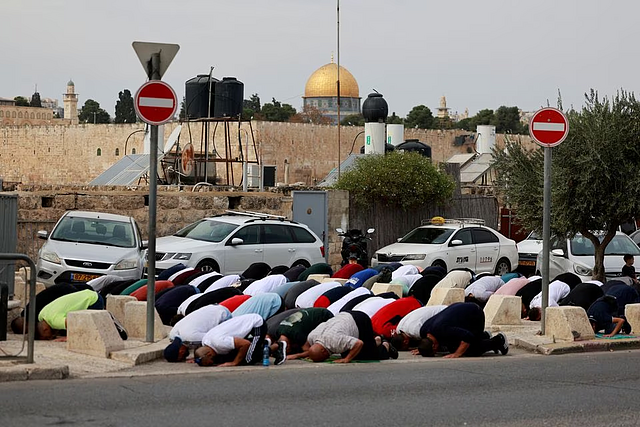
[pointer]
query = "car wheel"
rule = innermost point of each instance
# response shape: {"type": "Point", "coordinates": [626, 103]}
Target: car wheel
{"type": "Point", "coordinates": [503, 267]}
{"type": "Point", "coordinates": [439, 263]}
{"type": "Point", "coordinates": [208, 266]}
{"type": "Point", "coordinates": [301, 262]}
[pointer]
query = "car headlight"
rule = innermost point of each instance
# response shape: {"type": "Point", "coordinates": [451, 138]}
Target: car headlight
{"type": "Point", "coordinates": [582, 271]}
{"type": "Point", "coordinates": [127, 264]}
{"type": "Point", "coordinates": [414, 257]}
{"type": "Point", "coordinates": [51, 257]}
{"type": "Point", "coordinates": [182, 256]}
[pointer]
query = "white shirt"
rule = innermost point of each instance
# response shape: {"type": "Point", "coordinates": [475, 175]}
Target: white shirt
{"type": "Point", "coordinates": [196, 282]}
{"type": "Point", "coordinates": [455, 279]}
{"type": "Point", "coordinates": [194, 326]}
{"type": "Point", "coordinates": [100, 282]}
{"type": "Point", "coordinates": [182, 308]}
{"type": "Point", "coordinates": [220, 338]}
{"type": "Point", "coordinates": [337, 306]}
{"type": "Point", "coordinates": [177, 273]}
{"type": "Point", "coordinates": [557, 291]}
{"type": "Point", "coordinates": [309, 297]}
{"type": "Point", "coordinates": [404, 271]}
{"type": "Point", "coordinates": [370, 306]}
{"type": "Point", "coordinates": [223, 282]}
{"type": "Point", "coordinates": [412, 322]}
{"type": "Point", "coordinates": [484, 287]}
{"type": "Point", "coordinates": [267, 284]}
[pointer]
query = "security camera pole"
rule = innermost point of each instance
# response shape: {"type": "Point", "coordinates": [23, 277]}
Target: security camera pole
{"type": "Point", "coordinates": [155, 103]}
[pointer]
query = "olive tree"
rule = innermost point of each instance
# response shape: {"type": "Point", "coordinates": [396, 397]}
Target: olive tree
{"type": "Point", "coordinates": [595, 183]}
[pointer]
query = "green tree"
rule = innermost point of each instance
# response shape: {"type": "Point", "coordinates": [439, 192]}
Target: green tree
{"type": "Point", "coordinates": [353, 120]}
{"type": "Point", "coordinates": [183, 111]}
{"type": "Point", "coordinates": [35, 100]}
{"type": "Point", "coordinates": [419, 117]}
{"type": "Point", "coordinates": [92, 113]}
{"type": "Point", "coordinates": [125, 112]}
{"type": "Point", "coordinates": [404, 179]}
{"type": "Point", "coordinates": [277, 112]}
{"type": "Point", "coordinates": [310, 114]}
{"type": "Point", "coordinates": [394, 120]}
{"type": "Point", "coordinates": [507, 120]}
{"type": "Point", "coordinates": [466, 124]}
{"type": "Point", "coordinates": [251, 107]}
{"type": "Point", "coordinates": [484, 117]}
{"type": "Point", "coordinates": [595, 180]}
{"type": "Point", "coordinates": [21, 101]}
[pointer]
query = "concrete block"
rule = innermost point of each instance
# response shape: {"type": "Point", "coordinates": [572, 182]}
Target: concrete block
{"type": "Point", "coordinates": [135, 318]}
{"type": "Point", "coordinates": [92, 332]}
{"type": "Point", "coordinates": [503, 310]}
{"type": "Point", "coordinates": [19, 290]}
{"type": "Point", "coordinates": [329, 279]}
{"type": "Point", "coordinates": [632, 313]}
{"type": "Point", "coordinates": [116, 303]}
{"type": "Point", "coordinates": [380, 288]}
{"type": "Point", "coordinates": [561, 322]}
{"type": "Point", "coordinates": [446, 296]}
{"type": "Point", "coordinates": [317, 277]}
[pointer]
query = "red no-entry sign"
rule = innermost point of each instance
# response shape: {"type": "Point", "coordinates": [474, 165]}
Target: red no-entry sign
{"type": "Point", "coordinates": [155, 102]}
{"type": "Point", "coordinates": [548, 127]}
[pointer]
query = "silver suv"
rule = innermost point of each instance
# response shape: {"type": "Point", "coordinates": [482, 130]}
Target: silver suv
{"type": "Point", "coordinates": [229, 243]}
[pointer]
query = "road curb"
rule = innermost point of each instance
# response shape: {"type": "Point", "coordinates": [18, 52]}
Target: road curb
{"type": "Point", "coordinates": [599, 345]}
{"type": "Point", "coordinates": [31, 372]}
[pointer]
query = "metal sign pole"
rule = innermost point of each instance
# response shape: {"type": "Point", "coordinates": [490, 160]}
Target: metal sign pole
{"type": "Point", "coordinates": [154, 74]}
{"type": "Point", "coordinates": [546, 231]}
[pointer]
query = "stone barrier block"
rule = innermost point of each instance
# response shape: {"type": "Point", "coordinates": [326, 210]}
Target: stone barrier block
{"type": "Point", "coordinates": [329, 279]}
{"type": "Point", "coordinates": [19, 290]}
{"type": "Point", "coordinates": [115, 305]}
{"type": "Point", "coordinates": [632, 313]}
{"type": "Point", "coordinates": [503, 310]}
{"type": "Point", "coordinates": [562, 322]}
{"type": "Point", "coordinates": [317, 277]}
{"type": "Point", "coordinates": [380, 288]}
{"type": "Point", "coordinates": [446, 296]}
{"type": "Point", "coordinates": [135, 318]}
{"type": "Point", "coordinates": [92, 332]}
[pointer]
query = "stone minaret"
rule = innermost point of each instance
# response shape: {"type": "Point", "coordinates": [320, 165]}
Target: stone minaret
{"type": "Point", "coordinates": [70, 100]}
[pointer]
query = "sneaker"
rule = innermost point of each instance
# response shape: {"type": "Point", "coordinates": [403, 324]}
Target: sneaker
{"type": "Point", "coordinates": [504, 349]}
{"type": "Point", "coordinates": [281, 353]}
{"type": "Point", "coordinates": [393, 352]}
{"type": "Point", "coordinates": [121, 330]}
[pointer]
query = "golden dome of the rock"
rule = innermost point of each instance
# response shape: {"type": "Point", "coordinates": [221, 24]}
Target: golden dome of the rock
{"type": "Point", "coordinates": [322, 83]}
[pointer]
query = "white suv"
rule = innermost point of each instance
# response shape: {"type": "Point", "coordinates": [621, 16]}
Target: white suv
{"type": "Point", "coordinates": [229, 243]}
{"type": "Point", "coordinates": [460, 243]}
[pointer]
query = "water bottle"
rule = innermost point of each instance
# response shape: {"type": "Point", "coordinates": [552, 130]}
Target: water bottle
{"type": "Point", "coordinates": [265, 354]}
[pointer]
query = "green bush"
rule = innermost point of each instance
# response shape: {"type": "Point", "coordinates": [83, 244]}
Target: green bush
{"type": "Point", "coordinates": [403, 179]}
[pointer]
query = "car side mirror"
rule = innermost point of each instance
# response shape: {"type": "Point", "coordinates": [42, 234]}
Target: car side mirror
{"type": "Point", "coordinates": [236, 241]}
{"type": "Point", "coordinates": [557, 252]}
{"type": "Point", "coordinates": [398, 239]}
{"type": "Point", "coordinates": [43, 234]}
{"type": "Point", "coordinates": [145, 244]}
{"type": "Point", "coordinates": [340, 230]}
{"type": "Point", "coordinates": [456, 242]}
{"type": "Point", "coordinates": [371, 230]}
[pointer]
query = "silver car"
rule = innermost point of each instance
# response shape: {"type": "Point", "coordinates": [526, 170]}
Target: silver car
{"type": "Point", "coordinates": [85, 245]}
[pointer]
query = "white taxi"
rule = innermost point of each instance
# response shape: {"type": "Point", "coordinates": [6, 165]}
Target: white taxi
{"type": "Point", "coordinates": [453, 243]}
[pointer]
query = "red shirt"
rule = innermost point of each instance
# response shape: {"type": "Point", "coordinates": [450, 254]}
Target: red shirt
{"type": "Point", "coordinates": [141, 293]}
{"type": "Point", "coordinates": [347, 271]}
{"type": "Point", "coordinates": [388, 317]}
{"type": "Point", "coordinates": [234, 302]}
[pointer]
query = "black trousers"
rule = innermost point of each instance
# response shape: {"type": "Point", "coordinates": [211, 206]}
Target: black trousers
{"type": "Point", "coordinates": [370, 350]}
{"type": "Point", "coordinates": [254, 354]}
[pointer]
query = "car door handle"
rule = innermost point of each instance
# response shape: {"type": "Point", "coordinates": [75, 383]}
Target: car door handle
{"type": "Point", "coordinates": [292, 250]}
{"type": "Point", "coordinates": [258, 250]}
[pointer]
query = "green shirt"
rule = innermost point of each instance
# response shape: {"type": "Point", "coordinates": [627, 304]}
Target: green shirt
{"type": "Point", "coordinates": [55, 313]}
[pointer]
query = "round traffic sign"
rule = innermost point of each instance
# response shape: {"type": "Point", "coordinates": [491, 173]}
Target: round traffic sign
{"type": "Point", "coordinates": [155, 102]}
{"type": "Point", "coordinates": [548, 127]}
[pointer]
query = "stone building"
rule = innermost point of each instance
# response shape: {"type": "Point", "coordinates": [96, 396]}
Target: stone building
{"type": "Point", "coordinates": [70, 101]}
{"type": "Point", "coordinates": [321, 92]}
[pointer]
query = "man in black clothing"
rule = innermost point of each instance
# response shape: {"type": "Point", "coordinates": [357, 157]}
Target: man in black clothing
{"type": "Point", "coordinates": [459, 330]}
{"type": "Point", "coordinates": [583, 295]}
{"type": "Point", "coordinates": [527, 293]}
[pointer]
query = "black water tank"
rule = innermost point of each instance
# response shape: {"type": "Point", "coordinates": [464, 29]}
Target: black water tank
{"type": "Point", "coordinates": [375, 108]}
{"type": "Point", "coordinates": [415, 145]}
{"type": "Point", "coordinates": [229, 97]}
{"type": "Point", "coordinates": [197, 97]}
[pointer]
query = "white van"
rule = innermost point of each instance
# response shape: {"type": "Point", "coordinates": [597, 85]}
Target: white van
{"type": "Point", "coordinates": [576, 255]}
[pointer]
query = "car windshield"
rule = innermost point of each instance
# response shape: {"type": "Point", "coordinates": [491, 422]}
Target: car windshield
{"type": "Point", "coordinates": [207, 230]}
{"type": "Point", "coordinates": [534, 236]}
{"type": "Point", "coordinates": [95, 231]}
{"type": "Point", "coordinates": [428, 235]}
{"type": "Point", "coordinates": [619, 245]}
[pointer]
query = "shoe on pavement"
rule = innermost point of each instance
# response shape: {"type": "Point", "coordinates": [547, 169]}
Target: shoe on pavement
{"type": "Point", "coordinates": [393, 352]}
{"type": "Point", "coordinates": [121, 330]}
{"type": "Point", "coordinates": [281, 353]}
{"type": "Point", "coordinates": [504, 349]}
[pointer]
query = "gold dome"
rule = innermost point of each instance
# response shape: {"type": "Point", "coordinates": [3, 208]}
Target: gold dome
{"type": "Point", "coordinates": [322, 83]}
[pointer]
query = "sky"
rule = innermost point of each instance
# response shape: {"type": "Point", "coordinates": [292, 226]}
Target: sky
{"type": "Point", "coordinates": [479, 54]}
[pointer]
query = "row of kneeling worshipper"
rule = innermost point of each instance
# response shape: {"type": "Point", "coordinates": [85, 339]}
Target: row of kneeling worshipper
{"type": "Point", "coordinates": [232, 322]}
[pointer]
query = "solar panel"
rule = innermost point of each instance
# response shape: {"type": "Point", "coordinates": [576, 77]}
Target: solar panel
{"type": "Point", "coordinates": [127, 171]}
{"type": "Point", "coordinates": [332, 177]}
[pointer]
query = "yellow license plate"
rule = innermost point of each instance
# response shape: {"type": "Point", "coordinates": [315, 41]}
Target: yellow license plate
{"type": "Point", "coordinates": [80, 277]}
{"type": "Point", "coordinates": [527, 263]}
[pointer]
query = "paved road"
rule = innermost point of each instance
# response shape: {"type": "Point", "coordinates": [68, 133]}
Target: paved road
{"type": "Point", "coordinates": [599, 389]}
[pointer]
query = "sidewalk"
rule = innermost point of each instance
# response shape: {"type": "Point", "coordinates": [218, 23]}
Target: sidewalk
{"type": "Point", "coordinates": [53, 361]}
